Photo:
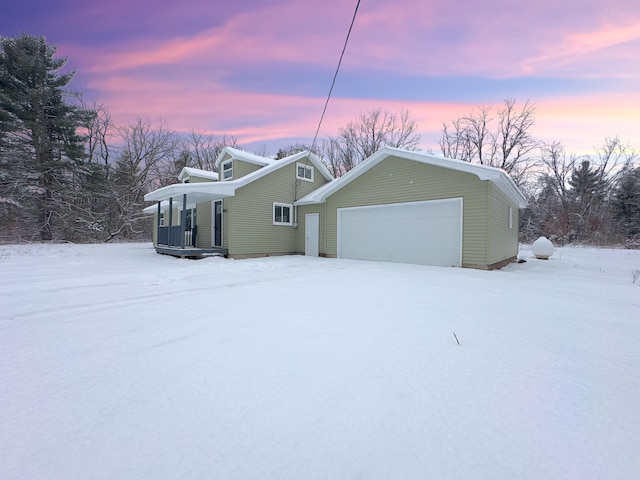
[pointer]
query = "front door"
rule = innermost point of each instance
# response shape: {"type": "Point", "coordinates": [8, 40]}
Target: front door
{"type": "Point", "coordinates": [312, 233]}
{"type": "Point", "coordinates": [217, 223]}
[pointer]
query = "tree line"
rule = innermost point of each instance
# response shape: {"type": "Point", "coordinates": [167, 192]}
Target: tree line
{"type": "Point", "coordinates": [589, 198]}
{"type": "Point", "coordinates": [69, 173]}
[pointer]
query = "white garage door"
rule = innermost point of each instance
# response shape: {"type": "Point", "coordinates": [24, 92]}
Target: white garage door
{"type": "Point", "coordinates": [428, 233]}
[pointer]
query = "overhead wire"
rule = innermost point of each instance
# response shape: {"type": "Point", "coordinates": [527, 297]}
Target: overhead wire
{"type": "Point", "coordinates": [326, 103]}
{"type": "Point", "coordinates": [335, 75]}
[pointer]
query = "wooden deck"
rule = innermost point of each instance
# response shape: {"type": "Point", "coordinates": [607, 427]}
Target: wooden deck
{"type": "Point", "coordinates": [191, 252]}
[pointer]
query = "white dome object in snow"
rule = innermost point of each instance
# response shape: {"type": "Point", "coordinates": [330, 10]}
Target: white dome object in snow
{"type": "Point", "coordinates": [542, 248]}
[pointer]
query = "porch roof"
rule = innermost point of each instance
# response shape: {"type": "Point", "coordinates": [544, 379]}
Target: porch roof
{"type": "Point", "coordinates": [196, 193]}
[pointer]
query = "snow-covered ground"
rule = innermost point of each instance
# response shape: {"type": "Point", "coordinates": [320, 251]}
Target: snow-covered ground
{"type": "Point", "coordinates": [119, 363]}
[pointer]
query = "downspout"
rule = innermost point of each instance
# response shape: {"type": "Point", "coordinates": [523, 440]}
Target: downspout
{"type": "Point", "coordinates": [295, 199]}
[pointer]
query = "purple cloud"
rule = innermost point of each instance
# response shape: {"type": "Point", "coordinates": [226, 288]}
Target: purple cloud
{"type": "Point", "coordinates": [261, 70]}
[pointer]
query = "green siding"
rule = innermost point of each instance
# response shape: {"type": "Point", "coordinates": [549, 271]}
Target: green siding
{"type": "Point", "coordinates": [502, 240]}
{"type": "Point", "coordinates": [203, 220]}
{"type": "Point", "coordinates": [397, 180]}
{"type": "Point", "coordinates": [248, 217]}
{"type": "Point", "coordinates": [227, 205]}
{"type": "Point", "coordinates": [195, 179]}
{"type": "Point", "coordinates": [154, 229]}
{"type": "Point", "coordinates": [240, 168]}
{"type": "Point", "coordinates": [175, 215]}
{"type": "Point", "coordinates": [301, 231]}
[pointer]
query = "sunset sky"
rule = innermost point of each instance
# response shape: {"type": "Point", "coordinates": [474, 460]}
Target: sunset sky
{"type": "Point", "coordinates": [260, 70]}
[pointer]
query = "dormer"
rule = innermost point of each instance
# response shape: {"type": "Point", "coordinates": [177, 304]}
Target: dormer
{"type": "Point", "coordinates": [195, 175]}
{"type": "Point", "coordinates": [233, 163]}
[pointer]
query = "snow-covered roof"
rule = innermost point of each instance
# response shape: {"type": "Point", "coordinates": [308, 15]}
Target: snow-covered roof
{"type": "Point", "coordinates": [196, 172]}
{"type": "Point", "coordinates": [277, 164]}
{"type": "Point", "coordinates": [495, 175]}
{"type": "Point", "coordinates": [205, 191]}
{"type": "Point", "coordinates": [196, 193]}
{"type": "Point", "coordinates": [238, 154]}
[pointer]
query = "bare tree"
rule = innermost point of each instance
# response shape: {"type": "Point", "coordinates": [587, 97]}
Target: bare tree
{"type": "Point", "coordinates": [143, 158]}
{"type": "Point", "coordinates": [99, 133]}
{"type": "Point", "coordinates": [456, 141]}
{"type": "Point", "coordinates": [508, 146]}
{"type": "Point", "coordinates": [371, 131]}
{"type": "Point", "coordinates": [574, 201]}
{"type": "Point", "coordinates": [204, 148]}
{"type": "Point", "coordinates": [558, 169]}
{"type": "Point", "coordinates": [614, 158]}
{"type": "Point", "coordinates": [331, 154]}
{"type": "Point", "coordinates": [296, 148]}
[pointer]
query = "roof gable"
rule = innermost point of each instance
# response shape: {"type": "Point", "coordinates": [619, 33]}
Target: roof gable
{"type": "Point", "coordinates": [196, 172]}
{"type": "Point", "coordinates": [495, 175]}
{"type": "Point", "coordinates": [228, 188]}
{"type": "Point", "coordinates": [230, 153]}
{"type": "Point", "coordinates": [278, 164]}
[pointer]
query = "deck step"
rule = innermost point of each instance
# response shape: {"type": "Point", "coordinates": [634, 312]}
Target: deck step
{"type": "Point", "coordinates": [191, 252]}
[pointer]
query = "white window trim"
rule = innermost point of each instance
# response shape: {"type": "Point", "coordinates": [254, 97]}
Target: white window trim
{"type": "Point", "coordinates": [306, 167]}
{"type": "Point", "coordinates": [224, 171]}
{"type": "Point", "coordinates": [273, 213]}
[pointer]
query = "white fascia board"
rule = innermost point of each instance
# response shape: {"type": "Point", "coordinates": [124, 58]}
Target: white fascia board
{"type": "Point", "coordinates": [205, 189]}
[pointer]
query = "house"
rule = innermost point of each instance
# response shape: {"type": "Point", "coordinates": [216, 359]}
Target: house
{"type": "Point", "coordinates": [244, 211]}
{"type": "Point", "coordinates": [397, 205]}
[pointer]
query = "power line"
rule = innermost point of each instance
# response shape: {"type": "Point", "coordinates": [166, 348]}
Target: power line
{"type": "Point", "coordinates": [315, 137]}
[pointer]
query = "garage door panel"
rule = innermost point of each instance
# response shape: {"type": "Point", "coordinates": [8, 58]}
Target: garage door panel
{"type": "Point", "coordinates": [416, 232]}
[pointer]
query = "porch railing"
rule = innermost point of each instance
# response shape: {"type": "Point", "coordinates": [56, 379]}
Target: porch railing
{"type": "Point", "coordinates": [175, 235]}
{"type": "Point", "coordinates": [190, 236]}
{"type": "Point", "coordinates": [170, 236]}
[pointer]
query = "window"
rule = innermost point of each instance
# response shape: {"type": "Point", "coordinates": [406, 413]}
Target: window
{"type": "Point", "coordinates": [282, 213]}
{"type": "Point", "coordinates": [510, 217]}
{"type": "Point", "coordinates": [191, 219]}
{"type": "Point", "coordinates": [304, 172]}
{"type": "Point", "coordinates": [227, 170]}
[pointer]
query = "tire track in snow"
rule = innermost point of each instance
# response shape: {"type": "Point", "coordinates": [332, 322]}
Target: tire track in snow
{"type": "Point", "coordinates": [167, 292]}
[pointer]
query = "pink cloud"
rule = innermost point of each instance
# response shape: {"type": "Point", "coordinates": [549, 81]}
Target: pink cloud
{"type": "Point", "coordinates": [494, 39]}
{"type": "Point", "coordinates": [576, 47]}
{"type": "Point", "coordinates": [499, 39]}
{"type": "Point", "coordinates": [583, 122]}
{"type": "Point", "coordinates": [579, 121]}
{"type": "Point", "coordinates": [263, 34]}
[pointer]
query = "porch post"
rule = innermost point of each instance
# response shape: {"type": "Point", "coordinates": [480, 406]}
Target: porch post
{"type": "Point", "coordinates": [158, 224]}
{"type": "Point", "coordinates": [171, 211]}
{"type": "Point", "coordinates": [183, 219]}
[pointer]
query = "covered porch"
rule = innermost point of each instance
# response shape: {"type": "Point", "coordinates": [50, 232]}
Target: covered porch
{"type": "Point", "coordinates": [176, 226]}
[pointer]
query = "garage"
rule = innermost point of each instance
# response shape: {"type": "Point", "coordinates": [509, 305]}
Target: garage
{"type": "Point", "coordinates": [427, 232]}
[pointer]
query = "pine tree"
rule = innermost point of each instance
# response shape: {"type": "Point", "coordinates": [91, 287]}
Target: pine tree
{"type": "Point", "coordinates": [39, 143]}
{"type": "Point", "coordinates": [588, 189]}
{"type": "Point", "coordinates": [626, 203]}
